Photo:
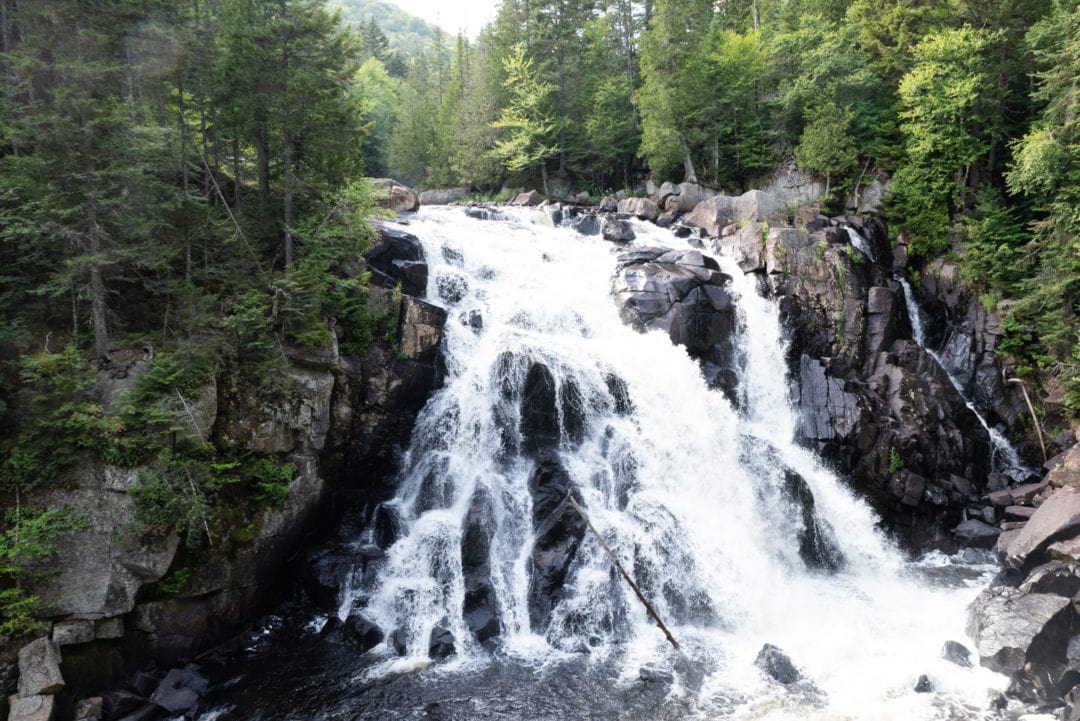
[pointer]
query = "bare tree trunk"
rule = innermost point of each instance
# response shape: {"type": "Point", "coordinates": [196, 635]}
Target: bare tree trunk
{"type": "Point", "coordinates": [288, 196]}
{"type": "Point", "coordinates": [184, 174]}
{"type": "Point", "coordinates": [236, 174]}
{"type": "Point", "coordinates": [688, 163]}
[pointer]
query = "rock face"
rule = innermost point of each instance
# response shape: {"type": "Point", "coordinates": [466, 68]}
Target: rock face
{"type": "Point", "coordinates": [39, 669]}
{"type": "Point", "coordinates": [442, 196]}
{"type": "Point", "coordinates": [1012, 628]}
{"type": "Point", "coordinates": [393, 195]}
{"type": "Point", "coordinates": [340, 421]}
{"type": "Point", "coordinates": [559, 531]}
{"type": "Point", "coordinates": [684, 294]}
{"type": "Point", "coordinates": [400, 256]}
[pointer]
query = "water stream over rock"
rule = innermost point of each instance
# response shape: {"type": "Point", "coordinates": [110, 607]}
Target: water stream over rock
{"type": "Point", "coordinates": [479, 593]}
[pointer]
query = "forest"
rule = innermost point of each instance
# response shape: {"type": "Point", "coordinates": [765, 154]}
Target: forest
{"type": "Point", "coordinates": [189, 176]}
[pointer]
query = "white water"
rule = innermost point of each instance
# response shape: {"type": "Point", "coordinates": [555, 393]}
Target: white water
{"type": "Point", "coordinates": [859, 243]}
{"type": "Point", "coordinates": [684, 489]}
{"type": "Point", "coordinates": [1005, 456]}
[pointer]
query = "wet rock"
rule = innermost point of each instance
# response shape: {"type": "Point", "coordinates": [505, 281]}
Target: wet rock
{"type": "Point", "coordinates": [617, 231]}
{"type": "Point", "coordinates": [89, 708]}
{"type": "Point", "coordinates": [667, 219]}
{"type": "Point", "coordinates": [484, 214]}
{"type": "Point", "coordinates": [620, 394]}
{"type": "Point", "coordinates": [479, 609]}
{"type": "Point", "coordinates": [655, 674]}
{"type": "Point", "coordinates": [817, 544]}
{"type": "Point", "coordinates": [180, 690]}
{"type": "Point", "coordinates": [539, 412]}
{"type": "Point", "coordinates": [1011, 628]}
{"type": "Point", "coordinates": [924, 685]}
{"type": "Point", "coordinates": [587, 224]}
{"type": "Point", "coordinates": [361, 633]}
{"type": "Point", "coordinates": [558, 531]}
{"type": "Point", "coordinates": [32, 708]}
{"type": "Point", "coordinates": [441, 643]}
{"type": "Point", "coordinates": [1036, 684]}
{"type": "Point", "coordinates": [1058, 577]}
{"type": "Point", "coordinates": [323, 574]}
{"type": "Point", "coordinates": [451, 288]}
{"type": "Point", "coordinates": [1055, 520]}
{"type": "Point", "coordinates": [399, 255]}
{"type": "Point", "coordinates": [776, 663]}
{"type": "Point", "coordinates": [974, 532]}
{"type": "Point", "coordinates": [530, 198]}
{"type": "Point", "coordinates": [420, 330]}
{"type": "Point", "coordinates": [957, 653]}
{"type": "Point", "coordinates": [39, 668]}
{"type": "Point", "coordinates": [397, 641]}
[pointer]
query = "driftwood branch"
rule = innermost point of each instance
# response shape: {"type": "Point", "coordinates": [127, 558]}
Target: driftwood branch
{"type": "Point", "coordinates": [625, 575]}
{"type": "Point", "coordinates": [1031, 409]}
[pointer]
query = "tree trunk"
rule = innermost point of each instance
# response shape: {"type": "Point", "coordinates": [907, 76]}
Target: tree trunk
{"type": "Point", "coordinates": [688, 163]}
{"type": "Point", "coordinates": [185, 178]}
{"type": "Point", "coordinates": [544, 177]}
{"type": "Point", "coordinates": [288, 196]}
{"type": "Point", "coordinates": [262, 163]}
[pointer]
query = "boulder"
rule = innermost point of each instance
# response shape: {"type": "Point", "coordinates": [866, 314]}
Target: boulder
{"type": "Point", "coordinates": [484, 214]}
{"type": "Point", "coordinates": [393, 195]}
{"type": "Point", "coordinates": [39, 668]}
{"type": "Point", "coordinates": [442, 196]}
{"type": "Point", "coordinates": [530, 198]}
{"type": "Point", "coordinates": [441, 643]}
{"type": "Point", "coordinates": [712, 214]}
{"type": "Point", "coordinates": [480, 609]}
{"type": "Point", "coordinates": [1011, 628]}
{"type": "Point", "coordinates": [690, 195]}
{"type": "Point", "coordinates": [421, 330]}
{"type": "Point", "coordinates": [32, 708]}
{"type": "Point", "coordinates": [974, 532]}
{"type": "Point", "coordinates": [667, 219]}
{"type": "Point", "coordinates": [558, 530]}
{"type": "Point", "coordinates": [923, 685]}
{"type": "Point", "coordinates": [539, 412]}
{"type": "Point", "coordinates": [90, 708]}
{"type": "Point", "coordinates": [666, 189]}
{"type": "Point", "coordinates": [399, 255]}
{"type": "Point", "coordinates": [957, 653]}
{"type": "Point", "coordinates": [608, 204]}
{"type": "Point", "coordinates": [642, 208]}
{"type": "Point", "coordinates": [180, 690]}
{"type": "Point", "coordinates": [361, 633]}
{"type": "Point", "coordinates": [67, 633]}
{"type": "Point", "coordinates": [776, 664]}
{"type": "Point", "coordinates": [617, 231]}
{"type": "Point", "coordinates": [587, 224]}
{"type": "Point", "coordinates": [1057, 519]}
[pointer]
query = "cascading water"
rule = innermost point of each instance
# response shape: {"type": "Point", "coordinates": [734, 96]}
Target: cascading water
{"type": "Point", "coordinates": [860, 243]}
{"type": "Point", "coordinates": [1005, 458]}
{"type": "Point", "coordinates": [738, 536]}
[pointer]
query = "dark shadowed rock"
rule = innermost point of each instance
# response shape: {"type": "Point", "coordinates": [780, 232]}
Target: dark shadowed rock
{"type": "Point", "coordinates": [956, 652]}
{"type": "Point", "coordinates": [479, 609]}
{"type": "Point", "coordinates": [817, 545]}
{"type": "Point", "coordinates": [361, 633]}
{"type": "Point", "coordinates": [180, 690]}
{"type": "Point", "coordinates": [776, 663]}
{"type": "Point", "coordinates": [441, 643]}
{"type": "Point", "coordinates": [558, 532]}
{"type": "Point", "coordinates": [924, 685]}
{"type": "Point", "coordinates": [587, 224]}
{"type": "Point", "coordinates": [617, 231]}
{"type": "Point", "coordinates": [539, 413]}
{"type": "Point", "coordinates": [974, 532]}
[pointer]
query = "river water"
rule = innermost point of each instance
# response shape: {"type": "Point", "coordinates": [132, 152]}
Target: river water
{"type": "Point", "coordinates": [686, 488]}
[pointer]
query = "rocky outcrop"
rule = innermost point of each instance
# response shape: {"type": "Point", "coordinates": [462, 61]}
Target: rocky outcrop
{"type": "Point", "coordinates": [442, 196]}
{"type": "Point", "coordinates": [394, 196]}
{"type": "Point", "coordinates": [684, 294]}
{"type": "Point", "coordinates": [558, 531]}
{"type": "Point", "coordinates": [339, 420]}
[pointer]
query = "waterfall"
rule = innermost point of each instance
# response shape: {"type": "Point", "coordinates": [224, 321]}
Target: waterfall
{"type": "Point", "coordinates": [708, 504]}
{"type": "Point", "coordinates": [1005, 458]}
{"type": "Point", "coordinates": [860, 243]}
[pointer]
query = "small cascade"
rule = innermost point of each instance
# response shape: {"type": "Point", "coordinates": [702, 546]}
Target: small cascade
{"type": "Point", "coordinates": [1005, 458]}
{"type": "Point", "coordinates": [860, 243]}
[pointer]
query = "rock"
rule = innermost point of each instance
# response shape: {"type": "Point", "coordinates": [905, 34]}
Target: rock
{"type": "Point", "coordinates": [617, 231]}
{"type": "Point", "coordinates": [480, 609]}
{"type": "Point", "coordinates": [39, 668]}
{"type": "Point", "coordinates": [667, 219]}
{"type": "Point", "coordinates": [587, 224]}
{"type": "Point", "coordinates": [420, 330]}
{"type": "Point", "coordinates": [393, 195]}
{"type": "Point", "coordinates": [1065, 550]}
{"type": "Point", "coordinates": [89, 708]}
{"type": "Point", "coordinates": [817, 544]}
{"type": "Point", "coordinates": [145, 712]}
{"type": "Point", "coordinates": [956, 652]}
{"type": "Point", "coordinates": [109, 628]}
{"type": "Point", "coordinates": [1055, 520]}
{"type": "Point", "coordinates": [531, 198]}
{"type": "Point", "coordinates": [400, 256]}
{"type": "Point", "coordinates": [712, 214]}
{"type": "Point", "coordinates": [66, 633]}
{"type": "Point", "coordinates": [1036, 684]}
{"type": "Point", "coordinates": [1000, 498]}
{"type": "Point", "coordinates": [441, 643]}
{"type": "Point", "coordinates": [974, 532]}
{"type": "Point", "coordinates": [558, 532]}
{"type": "Point", "coordinates": [666, 189]}
{"type": "Point", "coordinates": [180, 690]}
{"type": "Point", "coordinates": [1024, 495]}
{"type": "Point", "coordinates": [1057, 577]}
{"type": "Point", "coordinates": [32, 708]}
{"type": "Point", "coordinates": [442, 196]}
{"type": "Point", "coordinates": [924, 685]}
{"type": "Point", "coordinates": [690, 195]}
{"type": "Point", "coordinates": [654, 674]}
{"type": "Point", "coordinates": [539, 413]}
{"type": "Point", "coordinates": [642, 208]}
{"type": "Point", "coordinates": [776, 663]}
{"type": "Point", "coordinates": [608, 204]}
{"type": "Point", "coordinates": [361, 633]}
{"type": "Point", "coordinates": [484, 214]}
{"type": "Point", "coordinates": [1019, 513]}
{"type": "Point", "coordinates": [1011, 628]}
{"type": "Point", "coordinates": [1066, 472]}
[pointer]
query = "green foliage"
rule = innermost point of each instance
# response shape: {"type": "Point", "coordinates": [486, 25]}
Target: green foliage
{"type": "Point", "coordinates": [29, 537]}
{"type": "Point", "coordinates": [895, 461]}
{"type": "Point", "coordinates": [827, 148]}
{"type": "Point", "coordinates": [60, 424]}
{"type": "Point", "coordinates": [994, 255]}
{"type": "Point", "coordinates": [527, 140]}
{"type": "Point", "coordinates": [271, 481]}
